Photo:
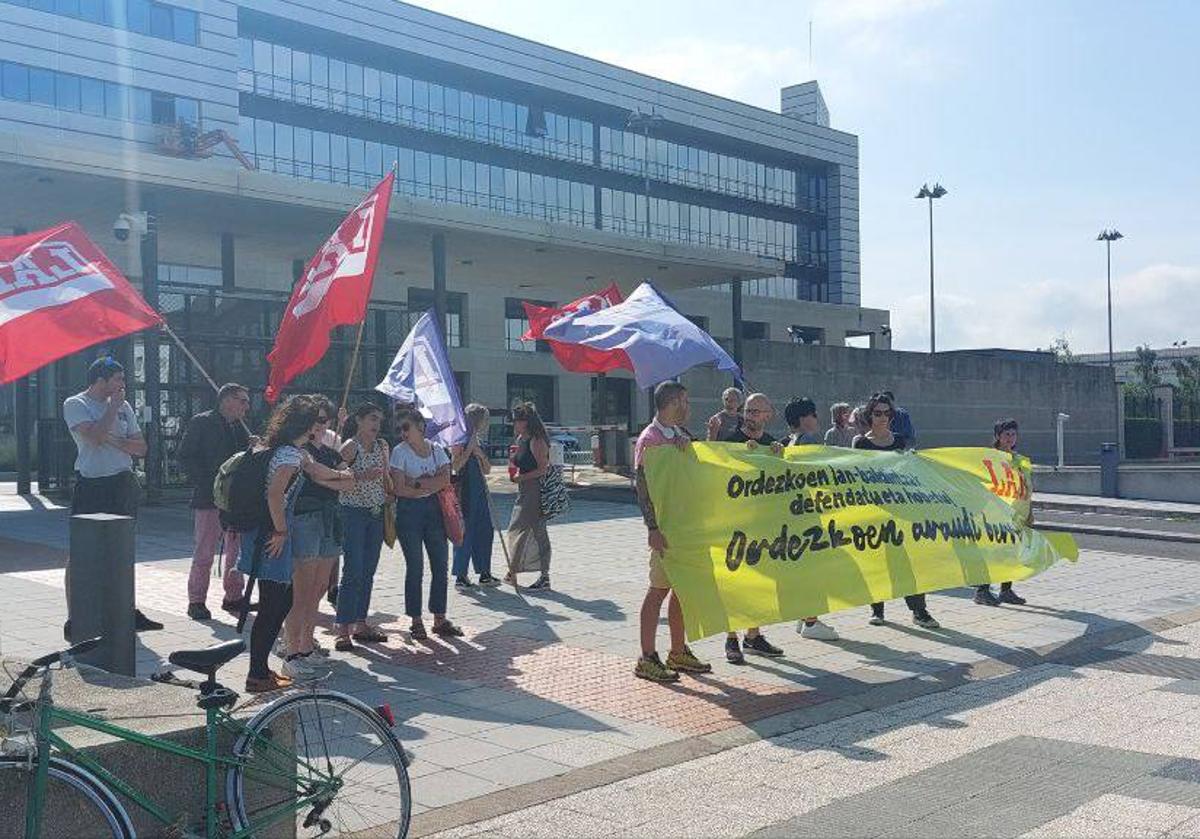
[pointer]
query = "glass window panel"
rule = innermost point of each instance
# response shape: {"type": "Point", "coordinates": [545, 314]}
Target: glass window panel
{"type": "Point", "coordinates": [93, 11]}
{"type": "Point", "coordinates": [454, 175]}
{"type": "Point", "coordinates": [41, 86]}
{"type": "Point", "coordinates": [374, 159]}
{"type": "Point", "coordinates": [404, 95]}
{"type": "Point", "coordinates": [246, 53]}
{"type": "Point", "coordinates": [162, 22]}
{"type": "Point", "coordinates": [510, 187]}
{"type": "Point", "coordinates": [320, 155]}
{"type": "Point", "coordinates": [406, 168]}
{"type": "Point", "coordinates": [67, 7]}
{"type": "Point", "coordinates": [116, 101]}
{"type": "Point", "coordinates": [437, 105]}
{"type": "Point", "coordinates": [187, 110]}
{"type": "Point", "coordinates": [137, 15]}
{"type": "Point", "coordinates": [264, 141]}
{"type": "Point", "coordinates": [468, 180]}
{"type": "Point", "coordinates": [186, 30]}
{"type": "Point", "coordinates": [284, 152]}
{"type": "Point", "coordinates": [15, 82]}
{"type": "Point", "coordinates": [466, 111]}
{"type": "Point", "coordinates": [337, 82]}
{"type": "Point", "coordinates": [508, 118]}
{"type": "Point", "coordinates": [420, 96]}
{"type": "Point", "coordinates": [301, 66]}
{"type": "Point", "coordinates": [354, 88]}
{"type": "Point", "coordinates": [358, 159]}
{"type": "Point", "coordinates": [387, 93]}
{"type": "Point", "coordinates": [92, 96]}
{"type": "Point", "coordinates": [66, 91]}
{"type": "Point", "coordinates": [282, 70]}
{"type": "Point", "coordinates": [422, 168]}
{"type": "Point", "coordinates": [371, 91]}
{"type": "Point", "coordinates": [483, 183]}
{"type": "Point", "coordinates": [338, 156]}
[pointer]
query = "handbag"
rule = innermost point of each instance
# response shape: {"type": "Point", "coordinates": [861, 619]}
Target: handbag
{"type": "Point", "coordinates": [452, 515]}
{"type": "Point", "coordinates": [554, 498]}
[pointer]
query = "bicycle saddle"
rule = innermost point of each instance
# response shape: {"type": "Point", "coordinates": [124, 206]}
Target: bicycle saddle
{"type": "Point", "coordinates": [206, 662]}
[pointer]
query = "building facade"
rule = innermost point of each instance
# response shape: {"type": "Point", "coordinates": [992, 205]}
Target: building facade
{"type": "Point", "coordinates": [523, 173]}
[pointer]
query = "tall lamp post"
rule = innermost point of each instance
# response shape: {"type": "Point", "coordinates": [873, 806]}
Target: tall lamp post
{"type": "Point", "coordinates": [931, 192]}
{"type": "Point", "coordinates": [1108, 236]}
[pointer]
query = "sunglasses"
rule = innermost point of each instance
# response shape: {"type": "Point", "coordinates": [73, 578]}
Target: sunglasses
{"type": "Point", "coordinates": [322, 419]}
{"type": "Point", "coordinates": [878, 413]}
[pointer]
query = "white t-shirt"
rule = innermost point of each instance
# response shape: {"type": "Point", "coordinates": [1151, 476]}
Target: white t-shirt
{"type": "Point", "coordinates": [99, 461]}
{"type": "Point", "coordinates": [415, 466]}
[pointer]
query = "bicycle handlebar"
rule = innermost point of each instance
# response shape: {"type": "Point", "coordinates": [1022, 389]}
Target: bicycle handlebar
{"type": "Point", "coordinates": [37, 664]}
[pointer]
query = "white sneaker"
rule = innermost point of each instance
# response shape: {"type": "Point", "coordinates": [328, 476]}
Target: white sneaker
{"type": "Point", "coordinates": [817, 631]}
{"type": "Point", "coordinates": [299, 669]}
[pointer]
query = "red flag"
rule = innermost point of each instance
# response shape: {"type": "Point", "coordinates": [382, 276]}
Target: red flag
{"type": "Point", "coordinates": [59, 294]}
{"type": "Point", "coordinates": [333, 290]}
{"type": "Point", "coordinates": [574, 357]}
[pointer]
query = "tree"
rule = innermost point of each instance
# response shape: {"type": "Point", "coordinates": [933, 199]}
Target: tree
{"type": "Point", "coordinates": [1061, 348]}
{"type": "Point", "coordinates": [1187, 370]}
{"type": "Point", "coordinates": [1146, 367]}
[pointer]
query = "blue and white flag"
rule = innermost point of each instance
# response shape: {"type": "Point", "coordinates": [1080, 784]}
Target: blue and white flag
{"type": "Point", "coordinates": [421, 375]}
{"type": "Point", "coordinates": [659, 341]}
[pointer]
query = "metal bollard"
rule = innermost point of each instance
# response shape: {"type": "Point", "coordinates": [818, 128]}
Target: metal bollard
{"type": "Point", "coordinates": [101, 600]}
{"type": "Point", "coordinates": [1110, 457]}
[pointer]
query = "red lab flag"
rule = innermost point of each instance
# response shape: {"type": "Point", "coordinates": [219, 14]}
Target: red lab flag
{"type": "Point", "coordinates": [332, 292]}
{"type": "Point", "coordinates": [576, 358]}
{"type": "Point", "coordinates": [59, 294]}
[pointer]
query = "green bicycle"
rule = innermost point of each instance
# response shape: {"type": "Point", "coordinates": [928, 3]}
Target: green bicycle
{"type": "Point", "coordinates": [309, 763]}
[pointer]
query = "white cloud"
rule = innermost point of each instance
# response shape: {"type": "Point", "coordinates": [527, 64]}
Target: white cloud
{"type": "Point", "coordinates": [1154, 305]}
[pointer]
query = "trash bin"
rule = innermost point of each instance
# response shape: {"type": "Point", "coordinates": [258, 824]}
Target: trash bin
{"type": "Point", "coordinates": [1110, 457]}
{"type": "Point", "coordinates": [614, 448]}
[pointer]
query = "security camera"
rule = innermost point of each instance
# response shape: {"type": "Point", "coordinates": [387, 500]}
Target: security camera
{"type": "Point", "coordinates": [128, 223]}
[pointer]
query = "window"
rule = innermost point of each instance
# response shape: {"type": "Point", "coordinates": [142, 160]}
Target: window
{"type": "Point", "coordinates": [92, 96]}
{"type": "Point", "coordinates": [516, 324]}
{"type": "Point", "coordinates": [189, 274]}
{"type": "Point", "coordinates": [615, 405]}
{"type": "Point", "coordinates": [15, 82]}
{"type": "Point", "coordinates": [755, 330]}
{"type": "Point", "coordinates": [700, 321]}
{"type": "Point", "coordinates": [536, 389]}
{"type": "Point", "coordinates": [420, 300]}
{"type": "Point", "coordinates": [41, 86]}
{"type": "Point", "coordinates": [66, 92]}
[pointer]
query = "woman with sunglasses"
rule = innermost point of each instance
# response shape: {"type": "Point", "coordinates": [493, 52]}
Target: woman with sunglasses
{"type": "Point", "coordinates": [1004, 438]}
{"type": "Point", "coordinates": [879, 411]}
{"type": "Point", "coordinates": [420, 470]}
{"type": "Point", "coordinates": [316, 545]}
{"type": "Point", "coordinates": [528, 539]}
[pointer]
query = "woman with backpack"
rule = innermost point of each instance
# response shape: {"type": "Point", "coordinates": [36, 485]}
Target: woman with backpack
{"type": "Point", "coordinates": [528, 539]}
{"type": "Point", "coordinates": [266, 550]}
{"type": "Point", "coordinates": [420, 470]}
{"type": "Point", "coordinates": [363, 510]}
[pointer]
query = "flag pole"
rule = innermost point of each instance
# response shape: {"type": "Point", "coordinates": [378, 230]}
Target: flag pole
{"type": "Point", "coordinates": [196, 362]}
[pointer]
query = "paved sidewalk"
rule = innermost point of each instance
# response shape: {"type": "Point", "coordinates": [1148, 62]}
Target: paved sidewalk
{"type": "Point", "coordinates": [1115, 506]}
{"type": "Point", "coordinates": [538, 701]}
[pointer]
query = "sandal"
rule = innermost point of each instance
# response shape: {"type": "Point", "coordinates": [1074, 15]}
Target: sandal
{"type": "Point", "coordinates": [370, 635]}
{"type": "Point", "coordinates": [447, 630]}
{"type": "Point", "coordinates": [344, 644]}
{"type": "Point", "coordinates": [271, 682]}
{"type": "Point", "coordinates": [418, 632]}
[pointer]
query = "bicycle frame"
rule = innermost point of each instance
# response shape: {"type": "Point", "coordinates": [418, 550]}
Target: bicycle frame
{"type": "Point", "coordinates": [216, 719]}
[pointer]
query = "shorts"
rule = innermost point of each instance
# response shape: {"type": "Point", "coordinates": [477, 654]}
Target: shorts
{"type": "Point", "coordinates": [315, 535]}
{"type": "Point", "coordinates": [658, 574]}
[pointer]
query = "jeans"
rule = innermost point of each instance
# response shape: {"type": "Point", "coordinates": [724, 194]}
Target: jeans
{"type": "Point", "coordinates": [419, 523]}
{"type": "Point", "coordinates": [362, 541]}
{"type": "Point", "coordinates": [476, 548]}
{"type": "Point", "coordinates": [208, 538]}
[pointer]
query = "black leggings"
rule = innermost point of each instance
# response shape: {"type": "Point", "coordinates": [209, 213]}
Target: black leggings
{"type": "Point", "coordinates": [274, 603]}
{"type": "Point", "coordinates": [915, 602]}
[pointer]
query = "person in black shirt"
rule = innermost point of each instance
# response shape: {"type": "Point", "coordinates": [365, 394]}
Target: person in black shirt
{"type": "Point", "coordinates": [1004, 434]}
{"type": "Point", "coordinates": [211, 438]}
{"type": "Point", "coordinates": [753, 432]}
{"type": "Point", "coordinates": [881, 438]}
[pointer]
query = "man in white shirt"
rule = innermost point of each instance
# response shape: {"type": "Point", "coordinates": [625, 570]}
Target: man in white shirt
{"type": "Point", "coordinates": [108, 438]}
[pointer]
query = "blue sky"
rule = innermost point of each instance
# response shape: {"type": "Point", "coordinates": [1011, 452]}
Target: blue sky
{"type": "Point", "coordinates": [1046, 121]}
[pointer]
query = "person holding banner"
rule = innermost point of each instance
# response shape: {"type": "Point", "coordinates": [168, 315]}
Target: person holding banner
{"type": "Point", "coordinates": [753, 432]}
{"type": "Point", "coordinates": [666, 429]}
{"type": "Point", "coordinates": [211, 438]}
{"type": "Point", "coordinates": [420, 470]}
{"type": "Point", "coordinates": [471, 464]}
{"type": "Point", "coordinates": [528, 539]}
{"type": "Point", "coordinates": [880, 412]}
{"type": "Point", "coordinates": [363, 510]}
{"type": "Point", "coordinates": [724, 423]}
{"type": "Point", "coordinates": [1004, 438]}
{"type": "Point", "coordinates": [842, 432]}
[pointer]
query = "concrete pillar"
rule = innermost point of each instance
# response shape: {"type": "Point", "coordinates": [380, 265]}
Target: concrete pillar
{"type": "Point", "coordinates": [1165, 394]}
{"type": "Point", "coordinates": [100, 589]}
{"type": "Point", "coordinates": [228, 275]}
{"type": "Point", "coordinates": [150, 344]}
{"type": "Point", "coordinates": [736, 304]}
{"type": "Point", "coordinates": [439, 279]}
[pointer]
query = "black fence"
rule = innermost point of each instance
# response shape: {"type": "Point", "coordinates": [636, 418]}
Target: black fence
{"type": "Point", "coordinates": [1187, 422]}
{"type": "Point", "coordinates": [1143, 427]}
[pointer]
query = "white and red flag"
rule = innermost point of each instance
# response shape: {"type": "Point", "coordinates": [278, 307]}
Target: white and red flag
{"type": "Point", "coordinates": [59, 294]}
{"type": "Point", "coordinates": [577, 358]}
{"type": "Point", "coordinates": [332, 292]}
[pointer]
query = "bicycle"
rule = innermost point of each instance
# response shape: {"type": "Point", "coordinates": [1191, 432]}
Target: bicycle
{"type": "Point", "coordinates": [307, 764]}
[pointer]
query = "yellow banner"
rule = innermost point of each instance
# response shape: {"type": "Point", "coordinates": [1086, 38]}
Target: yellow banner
{"type": "Point", "coordinates": [756, 538]}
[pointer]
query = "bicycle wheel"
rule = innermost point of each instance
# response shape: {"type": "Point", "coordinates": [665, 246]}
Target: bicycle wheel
{"type": "Point", "coordinates": [76, 803]}
{"type": "Point", "coordinates": [316, 763]}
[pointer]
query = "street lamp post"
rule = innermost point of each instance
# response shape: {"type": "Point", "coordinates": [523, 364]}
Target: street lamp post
{"type": "Point", "coordinates": [936, 191]}
{"type": "Point", "coordinates": [1108, 236]}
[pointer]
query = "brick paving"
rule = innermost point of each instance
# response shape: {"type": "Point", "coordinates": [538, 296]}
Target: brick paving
{"type": "Point", "coordinates": [538, 699]}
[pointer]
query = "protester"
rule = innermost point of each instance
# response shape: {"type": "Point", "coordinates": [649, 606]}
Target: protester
{"type": "Point", "coordinates": [211, 438]}
{"type": "Point", "coordinates": [363, 508]}
{"type": "Point", "coordinates": [753, 432]}
{"type": "Point", "coordinates": [859, 421]}
{"type": "Point", "coordinates": [1004, 434]}
{"type": "Point", "coordinates": [881, 438]}
{"type": "Point", "coordinates": [470, 463]}
{"type": "Point", "coordinates": [267, 554]}
{"type": "Point", "coordinates": [108, 438]}
{"type": "Point", "coordinates": [842, 432]}
{"type": "Point", "coordinates": [316, 544]}
{"type": "Point", "coordinates": [902, 424]}
{"type": "Point", "coordinates": [419, 471]}
{"type": "Point", "coordinates": [801, 417]}
{"type": "Point", "coordinates": [528, 539]}
{"type": "Point", "coordinates": [724, 423]}
{"type": "Point", "coordinates": [666, 429]}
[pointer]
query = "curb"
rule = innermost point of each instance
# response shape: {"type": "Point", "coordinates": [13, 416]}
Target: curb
{"type": "Point", "coordinates": [1114, 510]}
{"type": "Point", "coordinates": [1076, 652]}
{"type": "Point", "coordinates": [1123, 532]}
